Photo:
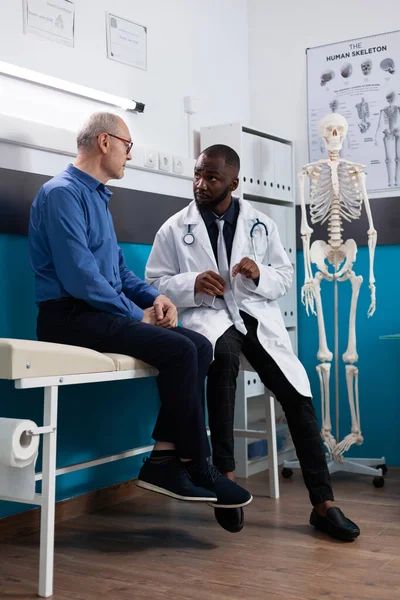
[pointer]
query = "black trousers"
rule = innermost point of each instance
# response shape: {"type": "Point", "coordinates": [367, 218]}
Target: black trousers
{"type": "Point", "coordinates": [182, 358]}
{"type": "Point", "coordinates": [299, 410]}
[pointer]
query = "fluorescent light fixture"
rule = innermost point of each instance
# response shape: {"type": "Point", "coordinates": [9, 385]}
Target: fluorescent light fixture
{"type": "Point", "coordinates": [71, 88]}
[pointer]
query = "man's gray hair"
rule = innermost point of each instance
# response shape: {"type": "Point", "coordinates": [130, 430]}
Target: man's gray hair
{"type": "Point", "coordinates": [97, 123]}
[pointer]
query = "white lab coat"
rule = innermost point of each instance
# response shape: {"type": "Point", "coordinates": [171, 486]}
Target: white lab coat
{"type": "Point", "coordinates": [173, 267]}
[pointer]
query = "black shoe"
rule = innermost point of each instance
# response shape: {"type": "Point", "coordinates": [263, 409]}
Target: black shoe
{"type": "Point", "coordinates": [229, 493]}
{"type": "Point", "coordinates": [231, 519]}
{"type": "Point", "coordinates": [170, 478]}
{"type": "Point", "coordinates": [335, 524]}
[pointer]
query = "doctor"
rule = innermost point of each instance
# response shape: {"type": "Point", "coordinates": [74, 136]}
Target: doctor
{"type": "Point", "coordinates": [222, 263]}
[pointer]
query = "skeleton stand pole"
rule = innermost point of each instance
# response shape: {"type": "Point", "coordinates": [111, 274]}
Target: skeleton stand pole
{"type": "Point", "coordinates": [336, 327]}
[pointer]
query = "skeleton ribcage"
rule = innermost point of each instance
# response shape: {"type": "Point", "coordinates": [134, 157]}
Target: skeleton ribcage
{"type": "Point", "coordinates": [323, 197]}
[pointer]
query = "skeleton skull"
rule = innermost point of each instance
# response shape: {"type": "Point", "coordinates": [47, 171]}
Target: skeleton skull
{"type": "Point", "coordinates": [388, 65]}
{"type": "Point", "coordinates": [326, 77]}
{"type": "Point", "coordinates": [346, 70]}
{"type": "Point", "coordinates": [366, 67]}
{"type": "Point", "coordinates": [333, 130]}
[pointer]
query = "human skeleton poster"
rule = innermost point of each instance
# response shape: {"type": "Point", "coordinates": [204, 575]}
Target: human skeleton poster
{"type": "Point", "coordinates": [360, 79]}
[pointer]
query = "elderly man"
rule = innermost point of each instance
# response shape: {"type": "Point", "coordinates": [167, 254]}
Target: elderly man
{"type": "Point", "coordinates": [88, 297]}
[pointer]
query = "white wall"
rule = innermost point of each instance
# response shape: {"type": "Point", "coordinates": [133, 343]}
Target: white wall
{"type": "Point", "coordinates": [193, 50]}
{"type": "Point", "coordinates": [279, 33]}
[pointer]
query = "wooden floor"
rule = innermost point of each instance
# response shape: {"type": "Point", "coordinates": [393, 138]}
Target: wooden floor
{"type": "Point", "coordinates": [157, 549]}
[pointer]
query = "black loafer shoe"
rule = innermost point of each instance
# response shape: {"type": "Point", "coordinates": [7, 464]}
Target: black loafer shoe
{"type": "Point", "coordinates": [231, 519]}
{"type": "Point", "coordinates": [335, 524]}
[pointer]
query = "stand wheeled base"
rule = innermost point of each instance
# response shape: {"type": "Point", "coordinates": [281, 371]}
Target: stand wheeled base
{"type": "Point", "coordinates": [363, 466]}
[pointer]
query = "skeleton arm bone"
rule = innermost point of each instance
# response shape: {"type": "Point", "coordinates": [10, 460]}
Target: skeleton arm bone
{"type": "Point", "coordinates": [372, 237]}
{"type": "Point", "coordinates": [307, 292]}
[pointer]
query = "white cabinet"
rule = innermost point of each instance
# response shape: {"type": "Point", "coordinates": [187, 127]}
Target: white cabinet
{"type": "Point", "coordinates": [293, 339]}
{"type": "Point", "coordinates": [288, 305]}
{"type": "Point", "coordinates": [266, 161]}
{"type": "Point", "coordinates": [282, 217]}
{"type": "Point", "coordinates": [251, 165]}
{"type": "Point", "coordinates": [290, 218]}
{"type": "Point", "coordinates": [283, 171]}
{"type": "Point", "coordinates": [267, 156]}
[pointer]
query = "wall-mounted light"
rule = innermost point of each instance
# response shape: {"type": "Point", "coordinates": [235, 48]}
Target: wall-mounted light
{"type": "Point", "coordinates": [71, 88]}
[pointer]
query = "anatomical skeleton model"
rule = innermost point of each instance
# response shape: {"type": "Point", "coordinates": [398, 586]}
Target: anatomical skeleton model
{"type": "Point", "coordinates": [337, 191]}
{"type": "Point", "coordinates": [389, 126]}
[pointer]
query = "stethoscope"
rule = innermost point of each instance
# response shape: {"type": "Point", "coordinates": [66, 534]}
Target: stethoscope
{"type": "Point", "coordinates": [263, 225]}
{"type": "Point", "coordinates": [189, 238]}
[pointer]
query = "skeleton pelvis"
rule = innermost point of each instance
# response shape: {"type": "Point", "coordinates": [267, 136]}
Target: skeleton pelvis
{"type": "Point", "coordinates": [320, 252]}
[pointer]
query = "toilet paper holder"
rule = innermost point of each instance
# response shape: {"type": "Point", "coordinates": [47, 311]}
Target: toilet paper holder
{"type": "Point", "coordinates": [40, 430]}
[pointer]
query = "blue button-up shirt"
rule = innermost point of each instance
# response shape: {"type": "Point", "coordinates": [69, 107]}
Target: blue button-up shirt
{"type": "Point", "coordinates": [73, 248]}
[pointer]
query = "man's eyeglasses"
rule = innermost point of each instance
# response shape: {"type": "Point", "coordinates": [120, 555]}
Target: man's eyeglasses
{"type": "Point", "coordinates": [128, 143]}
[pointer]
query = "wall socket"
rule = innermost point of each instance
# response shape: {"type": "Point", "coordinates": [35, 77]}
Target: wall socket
{"type": "Point", "coordinates": [150, 158]}
{"type": "Point", "coordinates": [177, 165]}
{"type": "Point", "coordinates": [164, 161]}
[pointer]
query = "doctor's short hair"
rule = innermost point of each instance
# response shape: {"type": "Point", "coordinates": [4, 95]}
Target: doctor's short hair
{"type": "Point", "coordinates": [97, 123]}
{"type": "Point", "coordinates": [226, 152]}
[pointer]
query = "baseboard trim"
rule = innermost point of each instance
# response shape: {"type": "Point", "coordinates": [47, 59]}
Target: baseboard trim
{"type": "Point", "coordinates": [29, 521]}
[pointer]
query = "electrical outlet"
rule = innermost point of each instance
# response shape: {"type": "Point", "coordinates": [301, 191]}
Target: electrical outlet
{"type": "Point", "coordinates": [177, 165]}
{"type": "Point", "coordinates": [137, 154]}
{"type": "Point", "coordinates": [164, 162]}
{"type": "Point", "coordinates": [150, 159]}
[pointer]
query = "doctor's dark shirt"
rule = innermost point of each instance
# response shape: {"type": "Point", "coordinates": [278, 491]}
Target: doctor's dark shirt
{"type": "Point", "coordinates": [230, 217]}
{"type": "Point", "coordinates": [73, 248]}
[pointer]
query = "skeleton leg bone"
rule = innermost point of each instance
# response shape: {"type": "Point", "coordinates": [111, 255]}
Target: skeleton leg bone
{"type": "Point", "coordinates": [389, 143]}
{"type": "Point", "coordinates": [351, 356]}
{"type": "Point", "coordinates": [355, 437]}
{"type": "Point", "coordinates": [324, 371]}
{"type": "Point", "coordinates": [324, 354]}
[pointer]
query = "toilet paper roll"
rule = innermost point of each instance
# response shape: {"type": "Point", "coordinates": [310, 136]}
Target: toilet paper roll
{"type": "Point", "coordinates": [18, 455]}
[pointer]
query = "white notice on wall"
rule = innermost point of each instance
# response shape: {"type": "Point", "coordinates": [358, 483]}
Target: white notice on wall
{"type": "Point", "coordinates": [51, 19]}
{"type": "Point", "coordinates": [360, 79]}
{"type": "Point", "coordinates": [126, 42]}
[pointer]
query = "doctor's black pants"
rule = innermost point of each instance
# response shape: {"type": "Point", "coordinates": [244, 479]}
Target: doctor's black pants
{"type": "Point", "coordinates": [299, 410]}
{"type": "Point", "coordinates": [182, 358]}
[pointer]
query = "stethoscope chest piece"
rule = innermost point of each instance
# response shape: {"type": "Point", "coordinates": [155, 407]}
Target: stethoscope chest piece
{"type": "Point", "coordinates": [188, 238]}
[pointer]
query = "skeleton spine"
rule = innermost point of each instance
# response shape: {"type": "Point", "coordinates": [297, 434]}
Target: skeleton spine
{"type": "Point", "coordinates": [335, 225]}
